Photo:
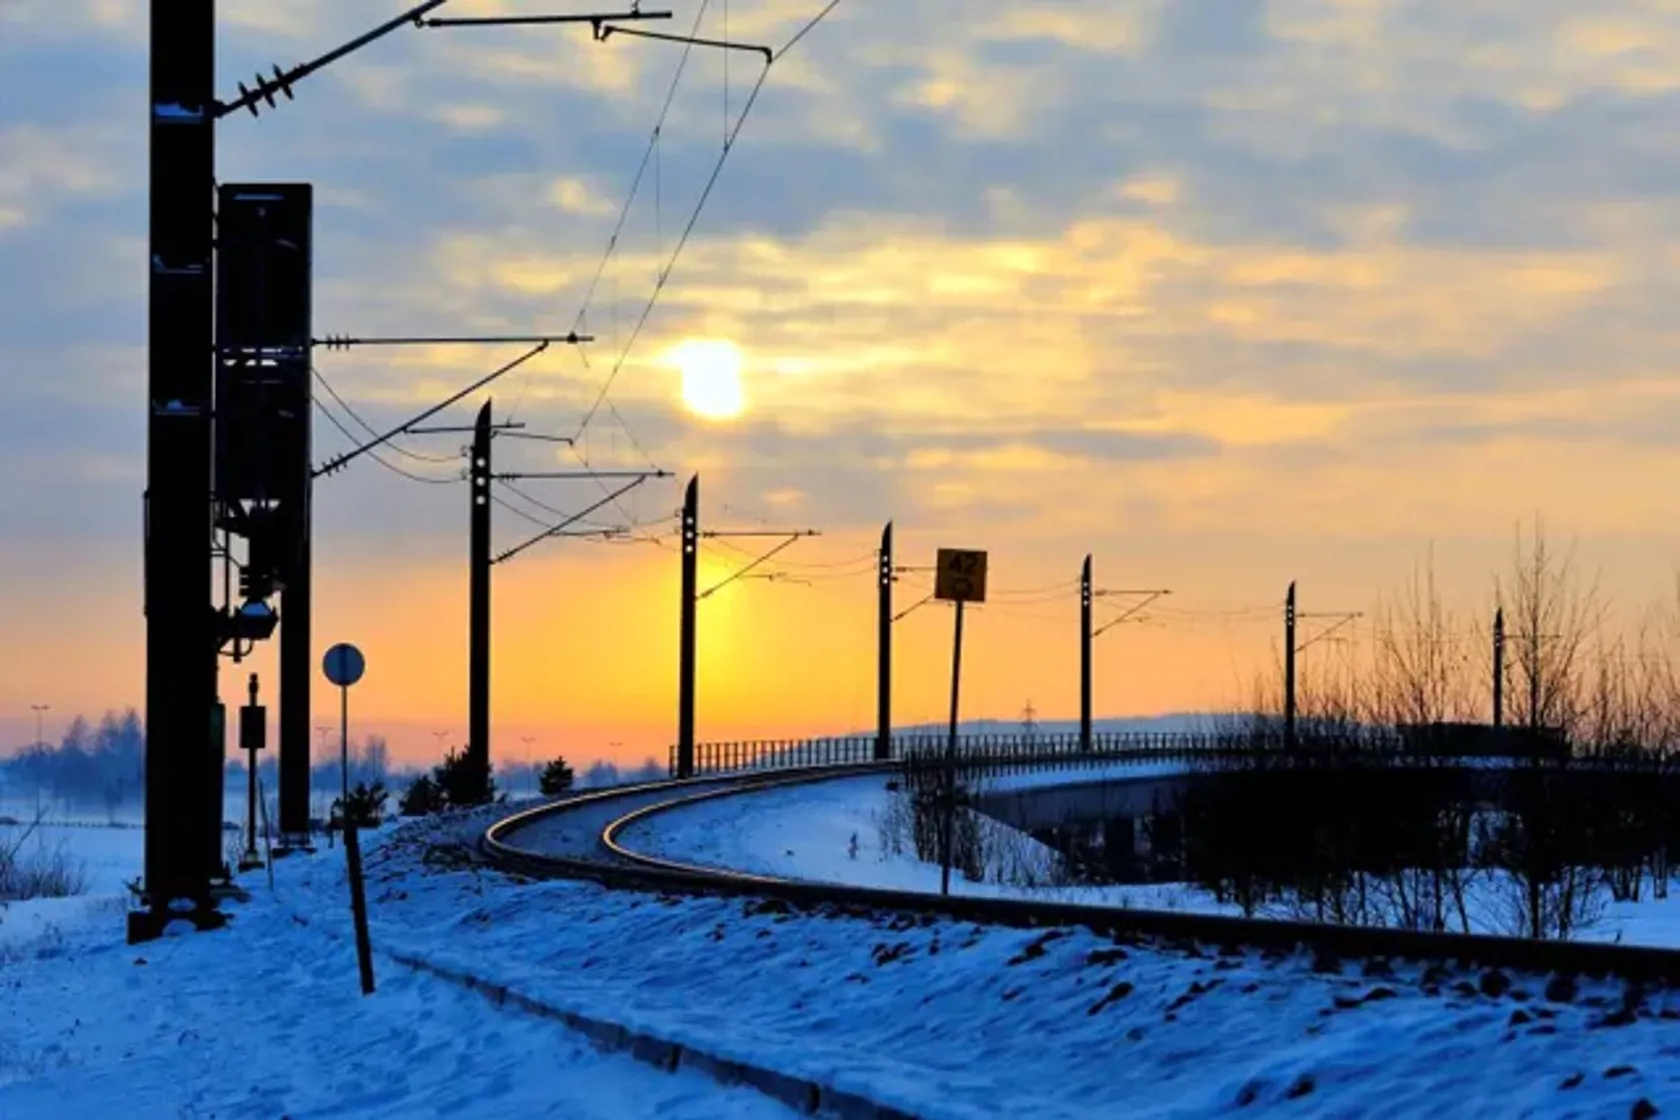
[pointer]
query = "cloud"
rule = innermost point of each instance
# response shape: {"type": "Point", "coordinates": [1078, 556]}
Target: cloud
{"type": "Point", "coordinates": [42, 170]}
{"type": "Point", "coordinates": [1163, 271]}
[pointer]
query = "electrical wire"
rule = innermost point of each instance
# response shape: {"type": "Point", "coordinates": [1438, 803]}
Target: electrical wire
{"type": "Point", "coordinates": [542, 523]}
{"type": "Point", "coordinates": [374, 455]}
{"type": "Point", "coordinates": [867, 559]}
{"type": "Point", "coordinates": [372, 431]}
{"type": "Point", "coordinates": [700, 205]}
{"type": "Point", "coordinates": [546, 508]}
{"type": "Point", "coordinates": [849, 568]}
{"type": "Point", "coordinates": [669, 265]}
{"type": "Point", "coordinates": [1050, 589]}
{"type": "Point", "coordinates": [649, 153]}
{"type": "Point", "coordinates": [617, 504]}
{"type": "Point", "coordinates": [513, 509]}
{"type": "Point", "coordinates": [623, 424]}
{"type": "Point", "coordinates": [808, 28]}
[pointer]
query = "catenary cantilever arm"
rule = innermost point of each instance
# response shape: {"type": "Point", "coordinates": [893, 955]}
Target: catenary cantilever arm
{"type": "Point", "coordinates": [340, 461]}
{"type": "Point", "coordinates": [283, 81]}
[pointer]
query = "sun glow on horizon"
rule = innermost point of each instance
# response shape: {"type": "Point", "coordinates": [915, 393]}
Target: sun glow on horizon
{"type": "Point", "coordinates": [711, 377]}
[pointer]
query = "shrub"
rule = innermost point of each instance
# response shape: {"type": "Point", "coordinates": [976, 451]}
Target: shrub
{"type": "Point", "coordinates": [422, 798]}
{"type": "Point", "coordinates": [464, 780]}
{"type": "Point", "coordinates": [556, 777]}
{"type": "Point", "coordinates": [367, 805]}
{"type": "Point", "coordinates": [40, 873]}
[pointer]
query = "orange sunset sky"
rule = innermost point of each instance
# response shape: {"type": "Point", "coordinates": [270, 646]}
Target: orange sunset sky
{"type": "Point", "coordinates": [1224, 293]}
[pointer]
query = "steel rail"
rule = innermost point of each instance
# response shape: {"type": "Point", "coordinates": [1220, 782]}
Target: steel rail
{"type": "Point", "coordinates": [626, 869]}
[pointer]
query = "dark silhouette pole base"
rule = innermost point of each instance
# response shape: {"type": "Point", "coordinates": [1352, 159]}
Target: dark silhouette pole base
{"type": "Point", "coordinates": [148, 925]}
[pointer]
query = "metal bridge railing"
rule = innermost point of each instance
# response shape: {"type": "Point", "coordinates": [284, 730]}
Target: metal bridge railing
{"type": "Point", "coordinates": [749, 755]}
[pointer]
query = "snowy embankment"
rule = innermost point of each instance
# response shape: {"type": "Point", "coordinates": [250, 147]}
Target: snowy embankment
{"type": "Point", "coordinates": [941, 1019]}
{"type": "Point", "coordinates": [843, 831]}
{"type": "Point", "coordinates": [850, 831]}
{"type": "Point", "coordinates": [265, 1019]}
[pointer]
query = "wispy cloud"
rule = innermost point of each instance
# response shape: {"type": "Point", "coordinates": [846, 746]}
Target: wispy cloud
{"type": "Point", "coordinates": [1309, 271]}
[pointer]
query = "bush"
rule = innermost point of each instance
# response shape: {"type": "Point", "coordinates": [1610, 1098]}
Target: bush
{"type": "Point", "coordinates": [367, 805]}
{"type": "Point", "coordinates": [464, 780]}
{"type": "Point", "coordinates": [43, 873]}
{"type": "Point", "coordinates": [422, 798]}
{"type": "Point", "coordinates": [556, 777]}
{"type": "Point", "coordinates": [458, 782]}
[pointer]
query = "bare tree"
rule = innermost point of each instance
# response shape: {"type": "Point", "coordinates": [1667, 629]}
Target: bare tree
{"type": "Point", "coordinates": [1552, 622]}
{"type": "Point", "coordinates": [1554, 625]}
{"type": "Point", "coordinates": [1423, 668]}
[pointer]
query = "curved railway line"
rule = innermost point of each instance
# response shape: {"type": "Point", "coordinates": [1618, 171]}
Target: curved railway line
{"type": "Point", "coordinates": [579, 838]}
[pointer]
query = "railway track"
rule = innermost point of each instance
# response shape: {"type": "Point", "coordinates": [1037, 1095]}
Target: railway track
{"type": "Point", "coordinates": [579, 838]}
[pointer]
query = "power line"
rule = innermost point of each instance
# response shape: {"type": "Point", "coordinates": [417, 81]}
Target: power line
{"type": "Point", "coordinates": [545, 507]}
{"type": "Point", "coordinates": [551, 531]}
{"type": "Point", "coordinates": [372, 431]}
{"type": "Point", "coordinates": [339, 462]}
{"type": "Point", "coordinates": [635, 189]}
{"type": "Point", "coordinates": [1045, 594]}
{"type": "Point", "coordinates": [682, 242]}
{"type": "Point", "coordinates": [699, 207]}
{"type": "Point", "coordinates": [808, 28]}
{"type": "Point", "coordinates": [650, 154]}
{"type": "Point", "coordinates": [623, 424]}
{"type": "Point", "coordinates": [628, 516]}
{"type": "Point", "coordinates": [374, 455]}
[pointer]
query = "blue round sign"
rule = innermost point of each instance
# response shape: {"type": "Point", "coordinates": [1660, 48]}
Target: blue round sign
{"type": "Point", "coordinates": [343, 665]}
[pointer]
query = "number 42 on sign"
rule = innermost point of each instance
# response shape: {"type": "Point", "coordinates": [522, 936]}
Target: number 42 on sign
{"type": "Point", "coordinates": [960, 576]}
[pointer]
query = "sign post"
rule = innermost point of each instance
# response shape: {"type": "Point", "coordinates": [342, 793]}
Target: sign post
{"type": "Point", "coordinates": [960, 577]}
{"type": "Point", "coordinates": [253, 735]}
{"type": "Point", "coordinates": [344, 666]}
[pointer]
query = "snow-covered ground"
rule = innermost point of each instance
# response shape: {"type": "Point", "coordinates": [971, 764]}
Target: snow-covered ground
{"type": "Point", "coordinates": [107, 857]}
{"type": "Point", "coordinates": [941, 1019]}
{"type": "Point", "coordinates": [265, 1019]}
{"type": "Point", "coordinates": [809, 832]}
{"type": "Point", "coordinates": [1043, 777]}
{"type": "Point", "coordinates": [952, 1020]}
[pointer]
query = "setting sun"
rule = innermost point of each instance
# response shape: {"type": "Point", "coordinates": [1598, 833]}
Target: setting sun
{"type": "Point", "coordinates": [711, 377]}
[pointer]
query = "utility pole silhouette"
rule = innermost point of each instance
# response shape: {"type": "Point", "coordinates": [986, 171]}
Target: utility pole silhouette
{"type": "Point", "coordinates": [686, 634]}
{"type": "Point", "coordinates": [1291, 648]}
{"type": "Point", "coordinates": [181, 635]}
{"type": "Point", "coordinates": [478, 610]}
{"type": "Point", "coordinates": [1087, 635]}
{"type": "Point", "coordinates": [691, 596]}
{"type": "Point", "coordinates": [297, 673]}
{"type": "Point", "coordinates": [1499, 669]}
{"type": "Point", "coordinates": [200, 394]}
{"type": "Point", "coordinates": [481, 473]}
{"type": "Point", "coordinates": [1085, 655]}
{"type": "Point", "coordinates": [483, 562]}
{"type": "Point", "coordinates": [883, 658]}
{"type": "Point", "coordinates": [1289, 668]}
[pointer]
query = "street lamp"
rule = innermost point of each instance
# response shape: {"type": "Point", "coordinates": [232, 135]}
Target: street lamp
{"type": "Point", "coordinates": [40, 744]}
